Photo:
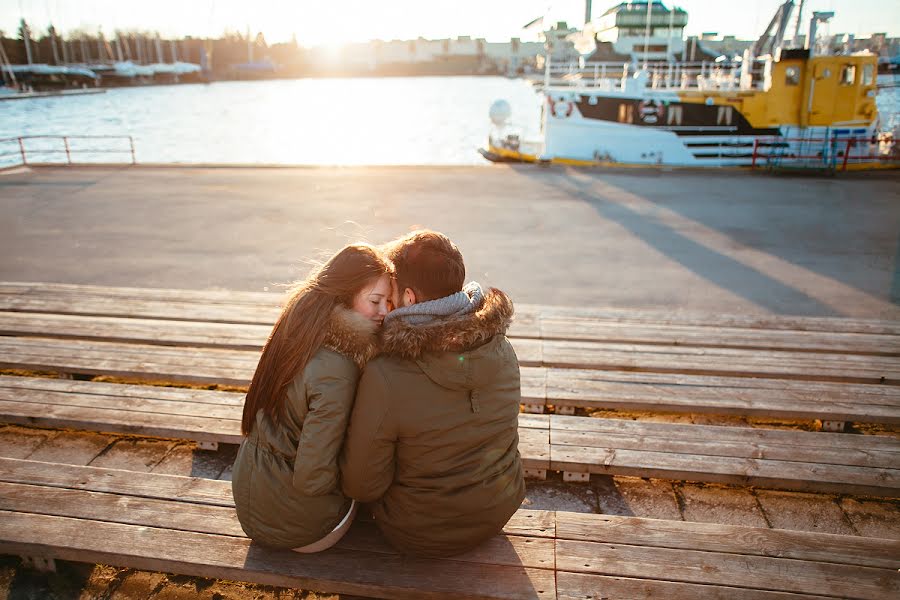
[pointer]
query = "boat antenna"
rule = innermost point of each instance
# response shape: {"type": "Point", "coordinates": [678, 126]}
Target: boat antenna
{"type": "Point", "coordinates": [647, 32]}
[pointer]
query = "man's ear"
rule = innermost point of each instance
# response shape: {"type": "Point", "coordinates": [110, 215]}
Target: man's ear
{"type": "Point", "coordinates": [409, 297]}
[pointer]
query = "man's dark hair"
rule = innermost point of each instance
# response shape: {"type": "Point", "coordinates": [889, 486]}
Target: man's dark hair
{"type": "Point", "coordinates": [428, 263]}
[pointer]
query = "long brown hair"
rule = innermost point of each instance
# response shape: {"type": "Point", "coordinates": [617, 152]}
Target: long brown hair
{"type": "Point", "coordinates": [300, 328]}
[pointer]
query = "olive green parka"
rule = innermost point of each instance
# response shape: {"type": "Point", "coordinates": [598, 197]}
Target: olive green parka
{"type": "Point", "coordinates": [285, 481]}
{"type": "Point", "coordinates": [433, 437]}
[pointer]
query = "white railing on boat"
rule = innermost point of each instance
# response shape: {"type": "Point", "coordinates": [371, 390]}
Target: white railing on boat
{"type": "Point", "coordinates": [702, 76]}
{"type": "Point", "coordinates": [25, 150]}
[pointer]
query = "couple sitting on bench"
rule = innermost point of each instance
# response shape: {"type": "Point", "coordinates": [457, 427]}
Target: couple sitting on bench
{"type": "Point", "coordinates": [412, 411]}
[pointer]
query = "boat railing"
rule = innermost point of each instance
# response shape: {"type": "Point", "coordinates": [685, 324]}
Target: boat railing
{"type": "Point", "coordinates": [833, 152]}
{"type": "Point", "coordinates": [701, 76]}
{"type": "Point", "coordinates": [66, 150]}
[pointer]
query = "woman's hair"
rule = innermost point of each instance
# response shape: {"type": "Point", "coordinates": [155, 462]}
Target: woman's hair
{"type": "Point", "coordinates": [300, 328]}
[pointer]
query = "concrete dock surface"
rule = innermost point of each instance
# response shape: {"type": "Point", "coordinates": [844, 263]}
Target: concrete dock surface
{"type": "Point", "coordinates": [722, 241]}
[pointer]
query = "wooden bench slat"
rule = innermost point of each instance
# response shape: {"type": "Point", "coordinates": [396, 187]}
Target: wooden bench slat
{"type": "Point", "coordinates": [775, 458]}
{"type": "Point", "coordinates": [713, 320]}
{"type": "Point", "coordinates": [226, 557]}
{"type": "Point", "coordinates": [22, 296]}
{"type": "Point", "coordinates": [691, 566]}
{"type": "Point", "coordinates": [714, 337]}
{"type": "Point", "coordinates": [127, 358]}
{"type": "Point", "coordinates": [120, 390]}
{"type": "Point", "coordinates": [183, 516]}
{"type": "Point", "coordinates": [242, 327]}
{"type": "Point", "coordinates": [628, 547]}
{"type": "Point", "coordinates": [780, 474]}
{"type": "Point", "coordinates": [733, 539]}
{"type": "Point", "coordinates": [657, 392]}
{"type": "Point", "coordinates": [709, 361]}
{"type": "Point", "coordinates": [738, 449]}
{"type": "Point", "coordinates": [579, 586]}
{"type": "Point", "coordinates": [720, 433]}
{"type": "Point", "coordinates": [161, 486]}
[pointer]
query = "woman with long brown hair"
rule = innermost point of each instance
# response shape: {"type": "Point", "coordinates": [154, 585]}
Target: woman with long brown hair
{"type": "Point", "coordinates": [286, 482]}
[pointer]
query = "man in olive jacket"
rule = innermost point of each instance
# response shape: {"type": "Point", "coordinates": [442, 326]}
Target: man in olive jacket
{"type": "Point", "coordinates": [433, 438]}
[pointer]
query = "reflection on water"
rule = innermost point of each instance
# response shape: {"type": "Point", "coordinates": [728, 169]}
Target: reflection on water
{"type": "Point", "coordinates": [356, 121]}
{"type": "Point", "coordinates": [421, 120]}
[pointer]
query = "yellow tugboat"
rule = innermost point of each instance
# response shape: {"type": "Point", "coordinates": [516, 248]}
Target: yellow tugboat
{"type": "Point", "coordinates": [778, 107]}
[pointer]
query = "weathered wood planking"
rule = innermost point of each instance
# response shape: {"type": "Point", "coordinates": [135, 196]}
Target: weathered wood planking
{"type": "Point", "coordinates": [562, 387]}
{"type": "Point", "coordinates": [581, 586]}
{"type": "Point", "coordinates": [795, 460]}
{"type": "Point", "coordinates": [196, 490]}
{"type": "Point", "coordinates": [200, 415]}
{"type": "Point", "coordinates": [747, 396]}
{"type": "Point", "coordinates": [735, 570]}
{"type": "Point", "coordinates": [548, 322]}
{"type": "Point", "coordinates": [531, 352]}
{"type": "Point", "coordinates": [41, 504]}
{"type": "Point", "coordinates": [236, 558]}
{"type": "Point", "coordinates": [776, 364]}
{"type": "Point", "coordinates": [729, 539]}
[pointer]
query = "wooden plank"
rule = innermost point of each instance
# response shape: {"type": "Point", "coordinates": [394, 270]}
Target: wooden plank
{"type": "Point", "coordinates": [134, 361]}
{"type": "Point", "coordinates": [719, 433]}
{"type": "Point", "coordinates": [144, 331]}
{"type": "Point", "coordinates": [706, 319]}
{"type": "Point", "coordinates": [733, 539]}
{"type": "Point", "coordinates": [225, 557]}
{"type": "Point", "coordinates": [566, 354]}
{"type": "Point", "coordinates": [185, 516]}
{"type": "Point", "coordinates": [824, 455]}
{"type": "Point", "coordinates": [21, 296]}
{"type": "Point", "coordinates": [8, 384]}
{"type": "Point", "coordinates": [736, 396]}
{"type": "Point", "coordinates": [122, 421]}
{"type": "Point", "coordinates": [716, 337]}
{"type": "Point", "coordinates": [244, 324]}
{"type": "Point", "coordinates": [710, 361]}
{"type": "Point", "coordinates": [197, 490]}
{"type": "Point", "coordinates": [737, 570]}
{"type": "Point", "coordinates": [584, 586]}
{"type": "Point", "coordinates": [778, 474]}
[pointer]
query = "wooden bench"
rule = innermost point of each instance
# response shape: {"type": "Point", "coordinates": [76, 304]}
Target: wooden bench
{"type": "Point", "coordinates": [561, 388]}
{"type": "Point", "coordinates": [575, 446]}
{"type": "Point", "coordinates": [188, 526]}
{"type": "Point", "coordinates": [634, 376]}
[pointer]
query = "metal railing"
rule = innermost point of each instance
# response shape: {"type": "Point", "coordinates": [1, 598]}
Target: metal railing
{"type": "Point", "coordinates": [19, 147]}
{"type": "Point", "coordinates": [660, 75]}
{"type": "Point", "coordinates": [831, 153]}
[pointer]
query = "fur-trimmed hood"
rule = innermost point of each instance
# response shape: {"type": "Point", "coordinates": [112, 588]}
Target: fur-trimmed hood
{"type": "Point", "coordinates": [349, 333]}
{"type": "Point", "coordinates": [401, 339]}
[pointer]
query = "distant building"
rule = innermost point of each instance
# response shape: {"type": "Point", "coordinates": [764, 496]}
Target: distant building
{"type": "Point", "coordinates": [620, 34]}
{"type": "Point", "coordinates": [559, 40]}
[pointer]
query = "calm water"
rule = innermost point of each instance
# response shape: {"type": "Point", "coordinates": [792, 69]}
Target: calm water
{"type": "Point", "coordinates": [421, 120]}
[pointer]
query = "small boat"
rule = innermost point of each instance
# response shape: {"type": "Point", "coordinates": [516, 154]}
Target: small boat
{"type": "Point", "coordinates": [778, 107]}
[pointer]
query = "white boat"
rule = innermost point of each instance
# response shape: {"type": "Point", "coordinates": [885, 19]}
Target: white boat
{"type": "Point", "coordinates": [776, 107]}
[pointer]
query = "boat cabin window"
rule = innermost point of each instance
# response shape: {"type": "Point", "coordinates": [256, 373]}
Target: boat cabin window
{"type": "Point", "coordinates": [676, 112]}
{"type": "Point", "coordinates": [868, 75]}
{"type": "Point", "coordinates": [848, 75]}
{"type": "Point", "coordinates": [626, 113]}
{"type": "Point", "coordinates": [792, 76]}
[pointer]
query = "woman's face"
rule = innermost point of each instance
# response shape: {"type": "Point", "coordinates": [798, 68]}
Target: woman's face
{"type": "Point", "coordinates": [373, 300]}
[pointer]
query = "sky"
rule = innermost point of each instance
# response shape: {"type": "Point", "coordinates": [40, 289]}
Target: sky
{"type": "Point", "coordinates": [340, 21]}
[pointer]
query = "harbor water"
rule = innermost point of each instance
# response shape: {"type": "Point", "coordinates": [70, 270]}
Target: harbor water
{"type": "Point", "coordinates": [350, 121]}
